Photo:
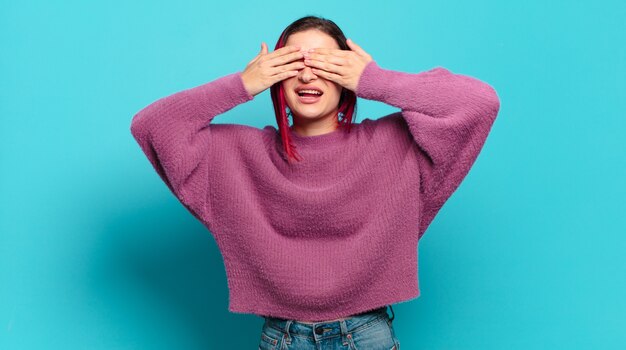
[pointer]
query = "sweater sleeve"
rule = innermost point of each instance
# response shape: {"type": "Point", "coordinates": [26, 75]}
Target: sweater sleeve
{"type": "Point", "coordinates": [175, 135]}
{"type": "Point", "coordinates": [448, 115]}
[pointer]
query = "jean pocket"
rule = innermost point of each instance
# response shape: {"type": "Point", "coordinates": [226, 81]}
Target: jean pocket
{"type": "Point", "coordinates": [376, 335]}
{"type": "Point", "coordinates": [271, 338]}
{"type": "Point", "coordinates": [396, 341]}
{"type": "Point", "coordinates": [268, 341]}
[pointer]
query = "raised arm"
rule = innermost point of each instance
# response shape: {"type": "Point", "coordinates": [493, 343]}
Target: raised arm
{"type": "Point", "coordinates": [174, 132]}
{"type": "Point", "coordinates": [449, 116]}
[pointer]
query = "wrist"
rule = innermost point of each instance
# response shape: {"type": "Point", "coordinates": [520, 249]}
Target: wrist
{"type": "Point", "coordinates": [246, 85]}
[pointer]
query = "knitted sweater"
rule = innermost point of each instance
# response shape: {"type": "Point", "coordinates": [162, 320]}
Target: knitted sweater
{"type": "Point", "coordinates": [337, 233]}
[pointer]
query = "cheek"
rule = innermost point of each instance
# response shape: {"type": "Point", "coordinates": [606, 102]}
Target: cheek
{"type": "Point", "coordinates": [287, 87]}
{"type": "Point", "coordinates": [290, 96]}
{"type": "Point", "coordinates": [337, 92]}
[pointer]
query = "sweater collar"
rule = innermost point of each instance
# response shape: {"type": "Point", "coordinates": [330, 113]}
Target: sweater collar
{"type": "Point", "coordinates": [335, 138]}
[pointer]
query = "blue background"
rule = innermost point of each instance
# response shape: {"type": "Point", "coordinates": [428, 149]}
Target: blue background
{"type": "Point", "coordinates": [96, 253]}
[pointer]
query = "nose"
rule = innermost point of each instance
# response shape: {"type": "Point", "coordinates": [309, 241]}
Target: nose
{"type": "Point", "coordinates": [306, 75]}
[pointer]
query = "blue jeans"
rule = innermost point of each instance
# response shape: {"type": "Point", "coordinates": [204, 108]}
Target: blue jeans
{"type": "Point", "coordinates": [371, 330]}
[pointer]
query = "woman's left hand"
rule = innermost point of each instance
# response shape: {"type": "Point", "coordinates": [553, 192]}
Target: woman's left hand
{"type": "Point", "coordinates": [343, 67]}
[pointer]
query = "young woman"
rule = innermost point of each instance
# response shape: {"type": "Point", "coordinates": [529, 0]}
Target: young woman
{"type": "Point", "coordinates": [319, 221]}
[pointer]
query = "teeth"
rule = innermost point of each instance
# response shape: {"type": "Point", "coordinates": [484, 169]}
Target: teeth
{"type": "Point", "coordinates": [310, 92]}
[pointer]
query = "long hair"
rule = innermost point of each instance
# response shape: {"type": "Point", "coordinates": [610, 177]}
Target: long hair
{"type": "Point", "coordinates": [347, 101]}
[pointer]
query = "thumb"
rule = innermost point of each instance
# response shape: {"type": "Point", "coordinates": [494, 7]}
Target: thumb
{"type": "Point", "coordinates": [356, 48]}
{"type": "Point", "coordinates": [263, 48]}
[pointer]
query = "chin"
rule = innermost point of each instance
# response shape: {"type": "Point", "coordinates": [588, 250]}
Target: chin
{"type": "Point", "coordinates": [308, 115]}
{"type": "Point", "coordinates": [309, 111]}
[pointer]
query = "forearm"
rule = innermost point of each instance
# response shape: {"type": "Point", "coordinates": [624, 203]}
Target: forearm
{"type": "Point", "coordinates": [194, 107]}
{"type": "Point", "coordinates": [173, 132]}
{"type": "Point", "coordinates": [436, 92]}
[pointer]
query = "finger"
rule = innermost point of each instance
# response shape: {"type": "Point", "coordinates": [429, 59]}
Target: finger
{"type": "Point", "coordinates": [327, 75]}
{"type": "Point", "coordinates": [341, 61]}
{"type": "Point", "coordinates": [283, 50]}
{"type": "Point", "coordinates": [328, 51]}
{"type": "Point", "coordinates": [263, 49]}
{"type": "Point", "coordinates": [356, 48]}
{"type": "Point", "coordinates": [288, 67]}
{"type": "Point", "coordinates": [284, 75]}
{"type": "Point", "coordinates": [324, 65]}
{"type": "Point", "coordinates": [256, 58]}
{"type": "Point", "coordinates": [277, 61]}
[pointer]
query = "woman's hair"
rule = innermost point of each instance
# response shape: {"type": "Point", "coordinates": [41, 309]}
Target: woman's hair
{"type": "Point", "coordinates": [347, 101]}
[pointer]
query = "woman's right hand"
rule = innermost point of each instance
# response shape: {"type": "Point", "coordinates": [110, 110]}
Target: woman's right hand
{"type": "Point", "coordinates": [266, 69]}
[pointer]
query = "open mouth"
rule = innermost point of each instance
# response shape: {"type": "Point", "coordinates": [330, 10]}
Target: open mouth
{"type": "Point", "coordinates": [309, 95]}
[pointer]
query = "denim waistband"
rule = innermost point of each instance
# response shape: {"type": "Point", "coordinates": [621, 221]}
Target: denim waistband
{"type": "Point", "coordinates": [328, 328]}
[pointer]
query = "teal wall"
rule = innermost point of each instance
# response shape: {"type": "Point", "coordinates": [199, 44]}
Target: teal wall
{"type": "Point", "coordinates": [95, 252]}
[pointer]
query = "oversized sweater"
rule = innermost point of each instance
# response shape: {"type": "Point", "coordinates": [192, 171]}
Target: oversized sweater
{"type": "Point", "coordinates": [337, 233]}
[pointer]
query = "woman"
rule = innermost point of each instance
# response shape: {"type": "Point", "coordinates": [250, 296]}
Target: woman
{"type": "Point", "coordinates": [318, 222]}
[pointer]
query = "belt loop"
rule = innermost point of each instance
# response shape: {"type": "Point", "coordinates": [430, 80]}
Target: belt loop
{"type": "Point", "coordinates": [287, 337]}
{"type": "Point", "coordinates": [392, 314]}
{"type": "Point", "coordinates": [344, 332]}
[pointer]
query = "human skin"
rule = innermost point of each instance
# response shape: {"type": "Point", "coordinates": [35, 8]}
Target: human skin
{"type": "Point", "coordinates": [310, 58]}
{"type": "Point", "coordinates": [319, 117]}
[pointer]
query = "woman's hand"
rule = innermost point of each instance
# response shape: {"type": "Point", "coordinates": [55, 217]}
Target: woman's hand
{"type": "Point", "coordinates": [266, 69]}
{"type": "Point", "coordinates": [343, 67]}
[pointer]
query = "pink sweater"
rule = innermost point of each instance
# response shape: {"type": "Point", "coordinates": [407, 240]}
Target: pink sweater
{"type": "Point", "coordinates": [337, 233]}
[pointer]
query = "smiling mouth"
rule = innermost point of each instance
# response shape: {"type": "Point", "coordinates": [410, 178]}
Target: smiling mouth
{"type": "Point", "coordinates": [309, 93]}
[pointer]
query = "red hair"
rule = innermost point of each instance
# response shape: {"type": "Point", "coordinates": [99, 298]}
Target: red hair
{"type": "Point", "coordinates": [347, 101]}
